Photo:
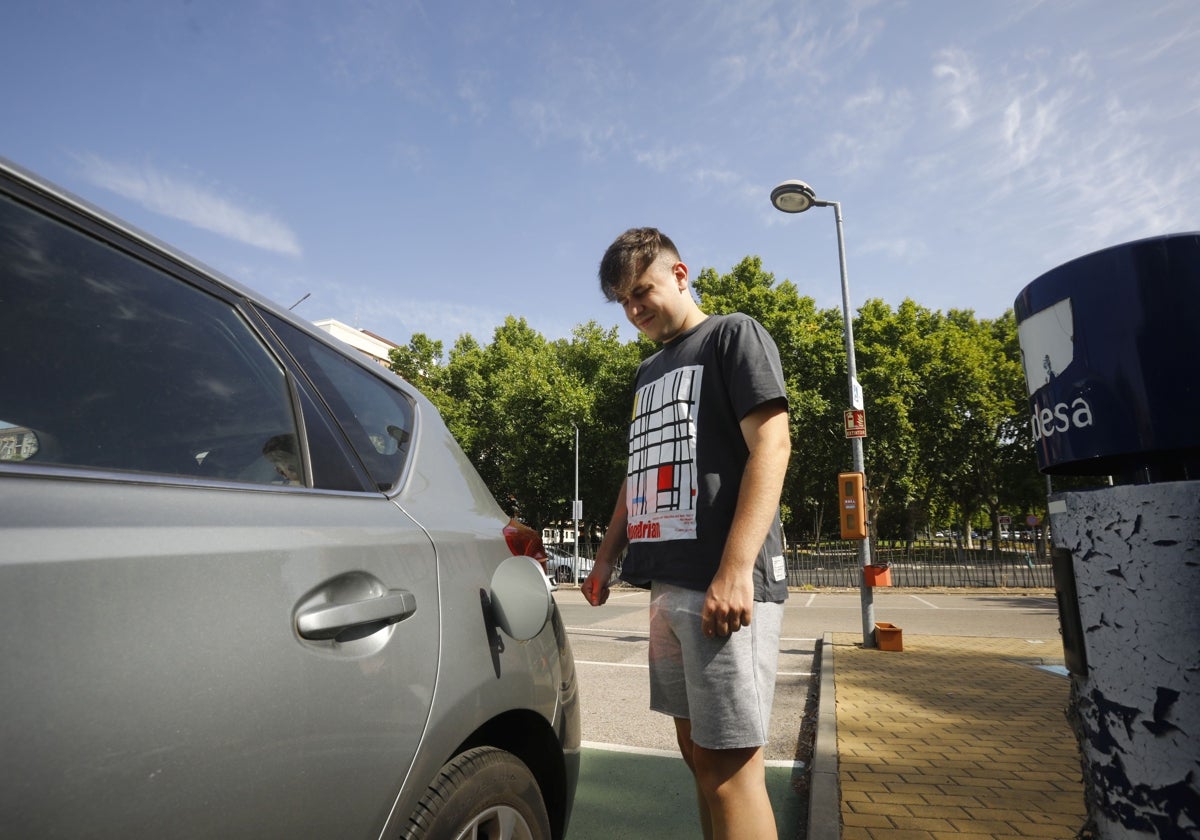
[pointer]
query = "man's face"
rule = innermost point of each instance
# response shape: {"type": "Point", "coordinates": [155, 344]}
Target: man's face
{"type": "Point", "coordinates": [658, 303]}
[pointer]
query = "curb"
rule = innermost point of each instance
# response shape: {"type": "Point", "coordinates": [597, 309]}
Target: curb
{"type": "Point", "coordinates": [824, 801]}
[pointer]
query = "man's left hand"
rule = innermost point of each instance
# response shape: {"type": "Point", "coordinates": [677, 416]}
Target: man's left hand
{"type": "Point", "coordinates": [728, 607]}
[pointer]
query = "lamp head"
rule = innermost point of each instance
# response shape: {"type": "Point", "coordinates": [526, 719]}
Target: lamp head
{"type": "Point", "coordinates": [793, 197]}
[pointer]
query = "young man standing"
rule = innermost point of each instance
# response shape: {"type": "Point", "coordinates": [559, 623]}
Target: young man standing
{"type": "Point", "coordinates": [699, 515]}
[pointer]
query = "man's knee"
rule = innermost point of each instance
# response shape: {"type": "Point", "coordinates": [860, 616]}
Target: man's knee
{"type": "Point", "coordinates": [720, 772]}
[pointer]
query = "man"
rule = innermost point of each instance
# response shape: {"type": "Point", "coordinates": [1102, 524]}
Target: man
{"type": "Point", "coordinates": [699, 515]}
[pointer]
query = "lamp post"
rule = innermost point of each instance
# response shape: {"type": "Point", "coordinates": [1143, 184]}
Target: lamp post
{"type": "Point", "coordinates": [576, 509]}
{"type": "Point", "coordinates": [796, 197]}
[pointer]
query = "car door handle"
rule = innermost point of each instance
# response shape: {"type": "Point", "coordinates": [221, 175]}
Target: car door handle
{"type": "Point", "coordinates": [329, 621]}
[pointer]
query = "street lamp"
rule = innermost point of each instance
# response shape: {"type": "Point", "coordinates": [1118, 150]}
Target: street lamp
{"type": "Point", "coordinates": [576, 509]}
{"type": "Point", "coordinates": [796, 197]}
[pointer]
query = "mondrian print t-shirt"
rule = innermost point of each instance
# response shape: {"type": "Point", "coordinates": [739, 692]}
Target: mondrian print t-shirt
{"type": "Point", "coordinates": [687, 454]}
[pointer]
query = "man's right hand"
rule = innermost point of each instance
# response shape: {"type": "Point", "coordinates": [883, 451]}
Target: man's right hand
{"type": "Point", "coordinates": [595, 585]}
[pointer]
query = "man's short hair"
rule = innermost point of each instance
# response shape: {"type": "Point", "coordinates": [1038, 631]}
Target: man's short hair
{"type": "Point", "coordinates": [629, 256]}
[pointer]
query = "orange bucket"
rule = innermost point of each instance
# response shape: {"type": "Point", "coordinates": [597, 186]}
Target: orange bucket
{"type": "Point", "coordinates": [877, 575]}
{"type": "Point", "coordinates": [888, 636]}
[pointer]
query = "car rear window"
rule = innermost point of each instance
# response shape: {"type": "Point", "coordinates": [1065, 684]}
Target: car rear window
{"type": "Point", "coordinates": [376, 418]}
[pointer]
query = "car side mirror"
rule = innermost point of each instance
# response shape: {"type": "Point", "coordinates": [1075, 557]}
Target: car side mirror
{"type": "Point", "coordinates": [17, 443]}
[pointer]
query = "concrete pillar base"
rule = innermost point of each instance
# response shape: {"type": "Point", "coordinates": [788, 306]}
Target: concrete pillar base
{"type": "Point", "coordinates": [1135, 554]}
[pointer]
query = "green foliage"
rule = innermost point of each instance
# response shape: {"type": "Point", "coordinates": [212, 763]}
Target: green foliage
{"type": "Point", "coordinates": [419, 360]}
{"type": "Point", "coordinates": [514, 405]}
{"type": "Point", "coordinates": [948, 437]}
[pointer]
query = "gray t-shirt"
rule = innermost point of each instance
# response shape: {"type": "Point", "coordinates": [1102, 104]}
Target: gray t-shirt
{"type": "Point", "coordinates": [687, 454]}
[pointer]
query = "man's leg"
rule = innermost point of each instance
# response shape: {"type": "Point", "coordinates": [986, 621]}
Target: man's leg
{"type": "Point", "coordinates": [733, 784]}
{"type": "Point", "coordinates": [731, 685]}
{"type": "Point", "coordinates": [683, 733]}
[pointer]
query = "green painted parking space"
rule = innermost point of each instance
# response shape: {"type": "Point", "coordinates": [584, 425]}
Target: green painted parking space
{"type": "Point", "coordinates": [635, 796]}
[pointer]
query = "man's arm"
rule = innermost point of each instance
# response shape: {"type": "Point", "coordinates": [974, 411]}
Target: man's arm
{"type": "Point", "coordinates": [595, 585]}
{"type": "Point", "coordinates": [729, 603]}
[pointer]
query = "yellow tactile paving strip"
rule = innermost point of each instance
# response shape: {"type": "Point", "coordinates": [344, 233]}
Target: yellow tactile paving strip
{"type": "Point", "coordinates": [955, 739]}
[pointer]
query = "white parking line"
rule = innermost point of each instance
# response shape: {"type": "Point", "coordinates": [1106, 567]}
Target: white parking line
{"type": "Point", "coordinates": [926, 603]}
{"type": "Point", "coordinates": [597, 745]}
{"type": "Point", "coordinates": [603, 664]}
{"type": "Point", "coordinates": [601, 631]}
{"type": "Point", "coordinates": [619, 748]}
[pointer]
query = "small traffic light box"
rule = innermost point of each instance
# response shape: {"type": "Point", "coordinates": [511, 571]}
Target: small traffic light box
{"type": "Point", "coordinates": [852, 504]}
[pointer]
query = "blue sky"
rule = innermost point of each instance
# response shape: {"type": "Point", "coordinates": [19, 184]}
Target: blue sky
{"type": "Point", "coordinates": [435, 166]}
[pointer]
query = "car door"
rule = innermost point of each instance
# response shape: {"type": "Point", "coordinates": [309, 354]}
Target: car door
{"type": "Point", "coordinates": [213, 623]}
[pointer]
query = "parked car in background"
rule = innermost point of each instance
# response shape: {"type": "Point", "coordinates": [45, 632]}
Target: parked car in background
{"type": "Point", "coordinates": [564, 567]}
{"type": "Point", "coordinates": [249, 584]}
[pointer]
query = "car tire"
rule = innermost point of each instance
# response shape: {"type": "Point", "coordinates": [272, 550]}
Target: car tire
{"type": "Point", "coordinates": [563, 574]}
{"type": "Point", "coordinates": [485, 792]}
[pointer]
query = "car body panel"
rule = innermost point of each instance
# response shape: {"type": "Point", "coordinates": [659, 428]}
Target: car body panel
{"type": "Point", "coordinates": [163, 615]}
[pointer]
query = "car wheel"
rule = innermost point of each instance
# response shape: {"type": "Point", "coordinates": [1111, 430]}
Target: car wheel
{"type": "Point", "coordinates": [485, 792]}
{"type": "Point", "coordinates": [563, 574]}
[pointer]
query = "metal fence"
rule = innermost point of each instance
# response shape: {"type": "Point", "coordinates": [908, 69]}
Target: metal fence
{"type": "Point", "coordinates": [1014, 566]}
{"type": "Point", "coordinates": [927, 564]}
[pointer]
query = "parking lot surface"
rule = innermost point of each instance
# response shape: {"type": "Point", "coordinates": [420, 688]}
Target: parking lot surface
{"type": "Point", "coordinates": [634, 785]}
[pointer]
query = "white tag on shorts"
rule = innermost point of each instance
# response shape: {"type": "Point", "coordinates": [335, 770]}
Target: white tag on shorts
{"type": "Point", "coordinates": [778, 569]}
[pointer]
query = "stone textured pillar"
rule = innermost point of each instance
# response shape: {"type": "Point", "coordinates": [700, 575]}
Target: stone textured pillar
{"type": "Point", "coordinates": [1135, 553]}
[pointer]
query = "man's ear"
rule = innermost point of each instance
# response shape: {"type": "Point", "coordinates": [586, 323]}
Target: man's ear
{"type": "Point", "coordinates": [681, 275]}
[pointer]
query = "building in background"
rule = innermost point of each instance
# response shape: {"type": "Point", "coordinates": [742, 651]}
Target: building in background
{"type": "Point", "coordinates": [364, 341]}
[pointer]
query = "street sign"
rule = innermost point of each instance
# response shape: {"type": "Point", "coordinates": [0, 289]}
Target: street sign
{"type": "Point", "coordinates": [856, 423]}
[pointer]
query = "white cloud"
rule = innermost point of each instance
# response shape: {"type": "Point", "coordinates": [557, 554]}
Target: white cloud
{"type": "Point", "coordinates": [196, 205]}
{"type": "Point", "coordinates": [473, 91]}
{"type": "Point", "coordinates": [876, 123]}
{"type": "Point", "coordinates": [1030, 125]}
{"type": "Point", "coordinates": [398, 318]}
{"type": "Point", "coordinates": [706, 176]}
{"type": "Point", "coordinates": [897, 248]}
{"type": "Point", "coordinates": [660, 158]}
{"type": "Point", "coordinates": [549, 123]}
{"type": "Point", "coordinates": [1058, 153]}
{"type": "Point", "coordinates": [867, 100]}
{"type": "Point", "coordinates": [958, 85]}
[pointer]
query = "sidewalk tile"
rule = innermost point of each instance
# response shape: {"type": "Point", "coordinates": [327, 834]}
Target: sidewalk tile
{"type": "Point", "coordinates": [954, 738]}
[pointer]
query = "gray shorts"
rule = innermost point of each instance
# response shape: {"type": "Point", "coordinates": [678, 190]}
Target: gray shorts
{"type": "Point", "coordinates": [724, 686]}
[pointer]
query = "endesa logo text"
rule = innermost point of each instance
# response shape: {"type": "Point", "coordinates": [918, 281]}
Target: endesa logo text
{"type": "Point", "coordinates": [1053, 420]}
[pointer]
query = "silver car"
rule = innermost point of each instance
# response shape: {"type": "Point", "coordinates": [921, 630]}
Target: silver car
{"type": "Point", "coordinates": [249, 584]}
{"type": "Point", "coordinates": [565, 568]}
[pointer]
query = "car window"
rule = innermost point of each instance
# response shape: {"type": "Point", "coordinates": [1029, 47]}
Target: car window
{"type": "Point", "coordinates": [376, 417]}
{"type": "Point", "coordinates": [110, 362]}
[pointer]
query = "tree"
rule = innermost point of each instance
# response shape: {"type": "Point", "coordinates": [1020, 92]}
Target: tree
{"type": "Point", "coordinates": [420, 361]}
{"type": "Point", "coordinates": [598, 358]}
{"type": "Point", "coordinates": [890, 344]}
{"type": "Point", "coordinates": [513, 406]}
{"type": "Point", "coordinates": [967, 416]}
